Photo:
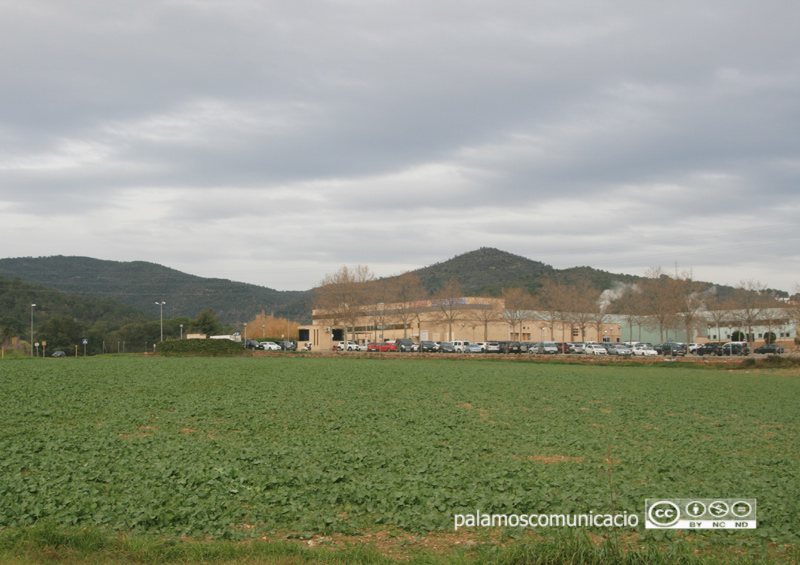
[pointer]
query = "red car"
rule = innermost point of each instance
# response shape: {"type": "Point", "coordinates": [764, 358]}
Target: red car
{"type": "Point", "coordinates": [381, 347]}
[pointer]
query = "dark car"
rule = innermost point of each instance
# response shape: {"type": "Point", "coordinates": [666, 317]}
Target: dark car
{"type": "Point", "coordinates": [404, 344]}
{"type": "Point", "coordinates": [510, 347]}
{"type": "Point", "coordinates": [252, 344]}
{"type": "Point", "coordinates": [447, 347]}
{"type": "Point", "coordinates": [287, 345]}
{"type": "Point", "coordinates": [426, 346]}
{"type": "Point", "coordinates": [709, 349]}
{"type": "Point", "coordinates": [671, 349]}
{"type": "Point", "coordinates": [735, 349]}
{"type": "Point", "coordinates": [769, 348]}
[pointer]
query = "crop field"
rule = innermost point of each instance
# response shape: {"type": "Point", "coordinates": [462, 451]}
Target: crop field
{"type": "Point", "coordinates": [234, 448]}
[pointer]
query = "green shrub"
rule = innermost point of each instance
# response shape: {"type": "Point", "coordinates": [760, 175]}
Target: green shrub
{"type": "Point", "coordinates": [201, 348]}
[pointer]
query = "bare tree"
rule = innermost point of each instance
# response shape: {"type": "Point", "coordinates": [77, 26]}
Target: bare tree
{"type": "Point", "coordinates": [751, 299]}
{"type": "Point", "coordinates": [518, 307]}
{"type": "Point", "coordinates": [688, 314]}
{"type": "Point", "coordinates": [375, 306]}
{"type": "Point", "coordinates": [342, 296]}
{"type": "Point", "coordinates": [553, 301]}
{"type": "Point", "coordinates": [773, 316]}
{"type": "Point", "coordinates": [449, 304]}
{"type": "Point", "coordinates": [661, 298]}
{"type": "Point", "coordinates": [406, 292]}
{"type": "Point", "coordinates": [629, 306]}
{"type": "Point", "coordinates": [601, 312]}
{"type": "Point", "coordinates": [718, 312]}
{"type": "Point", "coordinates": [490, 313]}
{"type": "Point", "coordinates": [581, 299]}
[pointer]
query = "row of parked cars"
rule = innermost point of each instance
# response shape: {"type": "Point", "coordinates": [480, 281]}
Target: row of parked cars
{"type": "Point", "coordinates": [270, 345]}
{"type": "Point", "coordinates": [552, 347]}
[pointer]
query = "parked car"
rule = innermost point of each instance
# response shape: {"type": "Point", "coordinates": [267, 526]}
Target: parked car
{"type": "Point", "coordinates": [619, 349]}
{"type": "Point", "coordinates": [769, 348]}
{"type": "Point", "coordinates": [460, 345]}
{"type": "Point", "coordinates": [579, 348]}
{"type": "Point", "coordinates": [473, 348]}
{"type": "Point", "coordinates": [347, 346]}
{"type": "Point", "coordinates": [59, 354]}
{"type": "Point", "coordinates": [736, 348]}
{"type": "Point", "coordinates": [382, 346]}
{"type": "Point", "coordinates": [510, 347]}
{"type": "Point", "coordinates": [270, 346]}
{"type": "Point", "coordinates": [709, 349]}
{"type": "Point", "coordinates": [545, 347]}
{"type": "Point", "coordinates": [287, 345]}
{"type": "Point", "coordinates": [674, 349]}
{"type": "Point", "coordinates": [594, 349]}
{"type": "Point", "coordinates": [251, 344]}
{"type": "Point", "coordinates": [404, 344]}
{"type": "Point", "coordinates": [492, 347]}
{"type": "Point", "coordinates": [428, 346]}
{"type": "Point", "coordinates": [447, 347]}
{"type": "Point", "coordinates": [643, 350]}
{"type": "Point", "coordinates": [693, 347]}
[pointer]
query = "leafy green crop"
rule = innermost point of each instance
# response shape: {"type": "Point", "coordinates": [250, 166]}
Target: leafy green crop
{"type": "Point", "coordinates": [231, 447]}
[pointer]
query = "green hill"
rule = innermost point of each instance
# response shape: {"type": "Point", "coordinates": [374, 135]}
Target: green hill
{"type": "Point", "coordinates": [140, 284]}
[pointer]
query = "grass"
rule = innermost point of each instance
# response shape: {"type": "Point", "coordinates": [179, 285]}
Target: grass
{"type": "Point", "coordinates": [131, 459]}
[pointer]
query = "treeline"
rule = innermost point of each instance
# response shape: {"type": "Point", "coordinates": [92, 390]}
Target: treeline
{"type": "Point", "coordinates": [31, 314]}
{"type": "Point", "coordinates": [657, 301]}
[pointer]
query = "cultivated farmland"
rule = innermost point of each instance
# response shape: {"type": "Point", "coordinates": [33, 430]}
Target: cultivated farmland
{"type": "Point", "coordinates": [230, 448]}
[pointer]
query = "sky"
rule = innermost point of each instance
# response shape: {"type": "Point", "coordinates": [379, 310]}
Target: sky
{"type": "Point", "coordinates": [273, 142]}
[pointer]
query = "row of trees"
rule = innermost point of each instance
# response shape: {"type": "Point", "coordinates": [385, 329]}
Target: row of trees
{"type": "Point", "coordinates": [65, 332]}
{"type": "Point", "coordinates": [658, 302]}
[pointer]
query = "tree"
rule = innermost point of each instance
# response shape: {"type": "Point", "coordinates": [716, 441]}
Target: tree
{"type": "Point", "coordinates": [376, 306]}
{"type": "Point", "coordinates": [9, 328]}
{"type": "Point", "coordinates": [629, 306]}
{"type": "Point", "coordinates": [661, 298]}
{"type": "Point", "coordinates": [489, 313]}
{"type": "Point", "coordinates": [518, 307]}
{"type": "Point", "coordinates": [691, 303]}
{"type": "Point", "coordinates": [581, 299]}
{"type": "Point", "coordinates": [750, 298]}
{"type": "Point", "coordinates": [449, 304]}
{"type": "Point", "coordinates": [207, 323]}
{"type": "Point", "coordinates": [62, 332]}
{"type": "Point", "coordinates": [342, 296]}
{"type": "Point", "coordinates": [406, 292]}
{"type": "Point", "coordinates": [718, 312]}
{"type": "Point", "coordinates": [553, 300]}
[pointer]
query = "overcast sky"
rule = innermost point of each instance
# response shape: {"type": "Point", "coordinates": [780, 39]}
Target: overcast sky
{"type": "Point", "coordinates": [272, 142]}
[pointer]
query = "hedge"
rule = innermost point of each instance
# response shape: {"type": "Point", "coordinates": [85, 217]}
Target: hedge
{"type": "Point", "coordinates": [202, 348]}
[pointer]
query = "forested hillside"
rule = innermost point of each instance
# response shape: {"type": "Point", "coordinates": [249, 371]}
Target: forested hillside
{"type": "Point", "coordinates": [141, 284]}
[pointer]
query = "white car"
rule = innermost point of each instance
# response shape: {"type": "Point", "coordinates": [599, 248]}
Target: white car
{"type": "Point", "coordinates": [348, 346]}
{"type": "Point", "coordinates": [461, 346]}
{"type": "Point", "coordinates": [594, 349]}
{"type": "Point", "coordinates": [644, 350]}
{"type": "Point", "coordinates": [693, 347]}
{"type": "Point", "coordinates": [270, 346]}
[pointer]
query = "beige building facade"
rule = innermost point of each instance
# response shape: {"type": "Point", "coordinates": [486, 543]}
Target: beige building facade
{"type": "Point", "coordinates": [472, 319]}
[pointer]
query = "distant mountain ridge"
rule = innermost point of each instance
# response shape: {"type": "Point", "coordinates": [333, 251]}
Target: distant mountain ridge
{"type": "Point", "coordinates": [140, 284]}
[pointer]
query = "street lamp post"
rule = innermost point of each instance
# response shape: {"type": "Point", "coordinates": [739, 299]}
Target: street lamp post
{"type": "Point", "coordinates": [181, 331]}
{"type": "Point", "coordinates": [32, 307]}
{"type": "Point", "coordinates": [161, 307]}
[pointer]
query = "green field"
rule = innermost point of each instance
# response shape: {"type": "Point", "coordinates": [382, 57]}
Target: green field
{"type": "Point", "coordinates": [233, 448]}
